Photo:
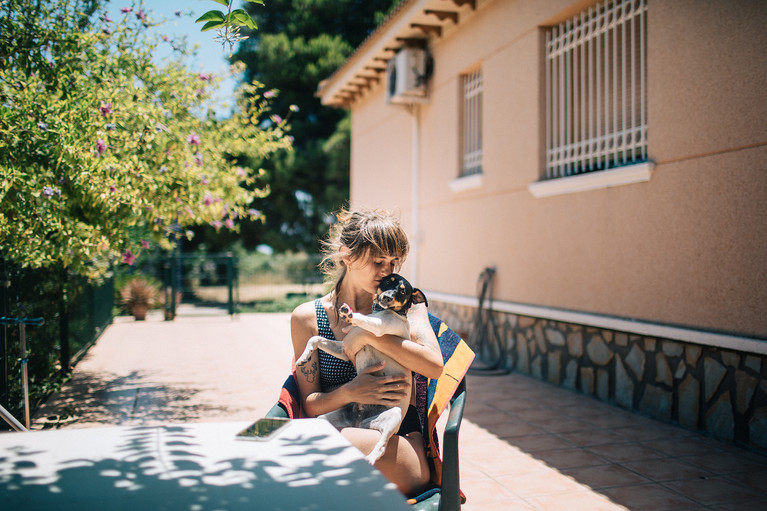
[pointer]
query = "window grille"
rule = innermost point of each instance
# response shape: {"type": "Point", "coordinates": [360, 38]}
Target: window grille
{"type": "Point", "coordinates": [596, 89]}
{"type": "Point", "coordinates": [472, 123]}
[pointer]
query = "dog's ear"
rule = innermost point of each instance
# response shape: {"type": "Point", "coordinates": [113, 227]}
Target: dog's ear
{"type": "Point", "coordinates": [418, 297]}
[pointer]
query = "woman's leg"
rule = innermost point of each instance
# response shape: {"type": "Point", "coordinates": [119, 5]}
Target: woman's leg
{"type": "Point", "coordinates": [404, 461]}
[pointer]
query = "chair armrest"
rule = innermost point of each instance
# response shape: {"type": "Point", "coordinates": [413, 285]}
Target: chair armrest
{"type": "Point", "coordinates": [277, 412]}
{"type": "Point", "coordinates": [451, 491]}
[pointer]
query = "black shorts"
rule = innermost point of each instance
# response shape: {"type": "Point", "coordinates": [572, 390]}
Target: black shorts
{"type": "Point", "coordinates": [411, 423]}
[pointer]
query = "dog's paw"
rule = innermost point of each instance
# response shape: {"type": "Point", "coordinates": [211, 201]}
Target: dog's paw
{"type": "Point", "coordinates": [345, 313]}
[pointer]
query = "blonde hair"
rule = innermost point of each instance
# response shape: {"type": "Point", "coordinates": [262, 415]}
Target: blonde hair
{"type": "Point", "coordinates": [366, 233]}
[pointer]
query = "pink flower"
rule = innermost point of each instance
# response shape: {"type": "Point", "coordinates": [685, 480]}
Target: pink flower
{"type": "Point", "coordinates": [101, 146]}
{"type": "Point", "coordinates": [193, 139]}
{"type": "Point", "coordinates": [105, 108]}
{"type": "Point", "coordinates": [145, 244]}
{"type": "Point", "coordinates": [112, 188]}
{"type": "Point", "coordinates": [216, 223]}
{"type": "Point", "coordinates": [208, 199]}
{"type": "Point", "coordinates": [107, 19]}
{"type": "Point", "coordinates": [253, 212]}
{"type": "Point", "coordinates": [269, 94]}
{"type": "Point", "coordinates": [140, 15]}
{"type": "Point", "coordinates": [205, 77]}
{"type": "Point", "coordinates": [165, 38]}
{"type": "Point", "coordinates": [128, 257]}
{"type": "Point", "coordinates": [125, 10]}
{"type": "Point", "coordinates": [229, 223]}
{"type": "Point", "coordinates": [241, 172]}
{"type": "Point", "coordinates": [276, 119]}
{"type": "Point", "coordinates": [198, 159]}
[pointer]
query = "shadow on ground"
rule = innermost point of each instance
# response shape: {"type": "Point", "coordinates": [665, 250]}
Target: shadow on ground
{"type": "Point", "coordinates": [108, 399]}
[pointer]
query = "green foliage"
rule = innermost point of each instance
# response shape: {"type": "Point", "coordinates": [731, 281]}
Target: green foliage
{"type": "Point", "coordinates": [104, 152]}
{"type": "Point", "coordinates": [298, 44]}
{"type": "Point", "coordinates": [228, 25]}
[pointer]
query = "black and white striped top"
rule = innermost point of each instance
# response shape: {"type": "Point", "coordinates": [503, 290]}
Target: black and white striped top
{"type": "Point", "coordinates": [333, 371]}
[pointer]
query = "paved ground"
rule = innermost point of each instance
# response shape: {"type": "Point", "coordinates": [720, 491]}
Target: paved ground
{"type": "Point", "coordinates": [524, 445]}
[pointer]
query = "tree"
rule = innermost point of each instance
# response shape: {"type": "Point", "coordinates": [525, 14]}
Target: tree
{"type": "Point", "coordinates": [104, 152]}
{"type": "Point", "coordinates": [298, 44]}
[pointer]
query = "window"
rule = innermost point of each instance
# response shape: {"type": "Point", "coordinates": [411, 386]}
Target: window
{"type": "Point", "coordinates": [471, 122]}
{"type": "Point", "coordinates": [596, 89]}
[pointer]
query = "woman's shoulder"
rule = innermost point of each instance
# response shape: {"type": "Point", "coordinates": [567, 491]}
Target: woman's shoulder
{"type": "Point", "coordinates": [306, 314]}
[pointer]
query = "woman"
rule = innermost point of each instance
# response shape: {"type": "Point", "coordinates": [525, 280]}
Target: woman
{"type": "Point", "coordinates": [363, 247]}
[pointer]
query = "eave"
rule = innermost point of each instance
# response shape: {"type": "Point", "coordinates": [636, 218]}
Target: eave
{"type": "Point", "coordinates": [413, 22]}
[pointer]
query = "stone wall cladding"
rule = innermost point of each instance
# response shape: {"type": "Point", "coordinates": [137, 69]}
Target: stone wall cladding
{"type": "Point", "coordinates": [717, 391]}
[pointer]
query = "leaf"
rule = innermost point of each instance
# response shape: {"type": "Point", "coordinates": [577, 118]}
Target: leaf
{"type": "Point", "coordinates": [243, 18]}
{"type": "Point", "coordinates": [211, 16]}
{"type": "Point", "coordinates": [211, 25]}
{"type": "Point", "coordinates": [259, 2]}
{"type": "Point", "coordinates": [225, 3]}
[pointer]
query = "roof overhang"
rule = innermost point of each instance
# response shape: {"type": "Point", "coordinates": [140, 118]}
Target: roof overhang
{"type": "Point", "coordinates": [412, 23]}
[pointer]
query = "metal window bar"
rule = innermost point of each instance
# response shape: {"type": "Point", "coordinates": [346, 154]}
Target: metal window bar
{"type": "Point", "coordinates": [595, 79]}
{"type": "Point", "coordinates": [472, 123]}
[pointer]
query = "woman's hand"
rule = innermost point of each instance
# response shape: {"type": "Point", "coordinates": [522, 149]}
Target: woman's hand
{"type": "Point", "coordinates": [378, 390]}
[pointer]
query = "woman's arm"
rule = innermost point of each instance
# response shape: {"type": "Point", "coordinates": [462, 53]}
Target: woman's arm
{"type": "Point", "coordinates": [420, 353]}
{"type": "Point", "coordinates": [364, 388]}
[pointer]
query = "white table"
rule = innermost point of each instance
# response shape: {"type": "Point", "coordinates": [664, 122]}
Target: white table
{"type": "Point", "coordinates": [194, 467]}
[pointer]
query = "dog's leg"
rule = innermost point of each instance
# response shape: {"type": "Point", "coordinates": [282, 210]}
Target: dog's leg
{"type": "Point", "coordinates": [387, 422]}
{"type": "Point", "coordinates": [381, 323]}
{"type": "Point", "coordinates": [335, 348]}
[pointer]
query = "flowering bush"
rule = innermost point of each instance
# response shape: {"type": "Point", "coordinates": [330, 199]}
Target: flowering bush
{"type": "Point", "coordinates": [103, 151]}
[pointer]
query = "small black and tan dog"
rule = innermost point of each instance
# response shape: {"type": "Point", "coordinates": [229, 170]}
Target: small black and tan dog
{"type": "Point", "coordinates": [393, 299]}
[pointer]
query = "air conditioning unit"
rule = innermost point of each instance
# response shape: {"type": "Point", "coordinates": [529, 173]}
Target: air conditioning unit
{"type": "Point", "coordinates": [407, 74]}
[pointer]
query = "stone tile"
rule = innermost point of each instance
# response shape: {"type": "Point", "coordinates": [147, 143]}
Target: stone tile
{"type": "Point", "coordinates": [606, 476]}
{"type": "Point", "coordinates": [649, 432]}
{"type": "Point", "coordinates": [713, 490]}
{"type": "Point", "coordinates": [579, 501]}
{"type": "Point", "coordinates": [485, 492]}
{"type": "Point", "coordinates": [689, 446]}
{"type": "Point", "coordinates": [512, 430]}
{"type": "Point", "coordinates": [667, 469]}
{"type": "Point", "coordinates": [592, 437]}
{"type": "Point", "coordinates": [563, 425]}
{"type": "Point", "coordinates": [746, 505]}
{"type": "Point", "coordinates": [649, 497]}
{"type": "Point", "coordinates": [498, 504]}
{"type": "Point", "coordinates": [724, 463]}
{"type": "Point", "coordinates": [625, 453]}
{"type": "Point", "coordinates": [545, 483]}
{"type": "Point", "coordinates": [570, 458]}
{"type": "Point", "coordinates": [534, 443]}
{"type": "Point", "coordinates": [756, 480]}
{"type": "Point", "coordinates": [500, 466]}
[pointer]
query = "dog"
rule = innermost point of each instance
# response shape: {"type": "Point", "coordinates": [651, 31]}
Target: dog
{"type": "Point", "coordinates": [393, 299]}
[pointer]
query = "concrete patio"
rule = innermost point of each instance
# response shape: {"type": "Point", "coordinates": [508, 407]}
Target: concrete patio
{"type": "Point", "coordinates": [525, 444]}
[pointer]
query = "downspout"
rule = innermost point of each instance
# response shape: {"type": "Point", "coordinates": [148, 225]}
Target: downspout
{"type": "Point", "coordinates": [415, 111]}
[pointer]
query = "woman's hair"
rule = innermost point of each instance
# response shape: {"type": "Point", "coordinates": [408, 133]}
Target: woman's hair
{"type": "Point", "coordinates": [366, 233]}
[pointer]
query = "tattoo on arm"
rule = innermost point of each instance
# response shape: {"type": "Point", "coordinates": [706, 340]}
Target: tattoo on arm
{"type": "Point", "coordinates": [309, 371]}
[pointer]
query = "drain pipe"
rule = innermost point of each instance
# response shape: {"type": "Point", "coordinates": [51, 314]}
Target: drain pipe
{"type": "Point", "coordinates": [415, 111]}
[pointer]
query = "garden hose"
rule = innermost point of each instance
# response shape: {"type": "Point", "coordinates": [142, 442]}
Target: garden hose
{"type": "Point", "coordinates": [486, 341]}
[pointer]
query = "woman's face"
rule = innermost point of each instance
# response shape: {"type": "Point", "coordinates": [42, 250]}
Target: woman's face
{"type": "Point", "coordinates": [367, 272]}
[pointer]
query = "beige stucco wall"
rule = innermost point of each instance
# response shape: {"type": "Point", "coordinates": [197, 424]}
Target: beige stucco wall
{"type": "Point", "coordinates": [687, 248]}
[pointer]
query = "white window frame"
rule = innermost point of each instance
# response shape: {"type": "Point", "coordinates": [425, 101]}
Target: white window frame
{"type": "Point", "coordinates": [596, 98]}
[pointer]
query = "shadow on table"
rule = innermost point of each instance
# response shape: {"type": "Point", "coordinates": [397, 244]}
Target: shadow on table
{"type": "Point", "coordinates": [144, 476]}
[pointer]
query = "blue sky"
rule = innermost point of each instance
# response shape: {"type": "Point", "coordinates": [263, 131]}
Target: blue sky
{"type": "Point", "coordinates": [211, 56]}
